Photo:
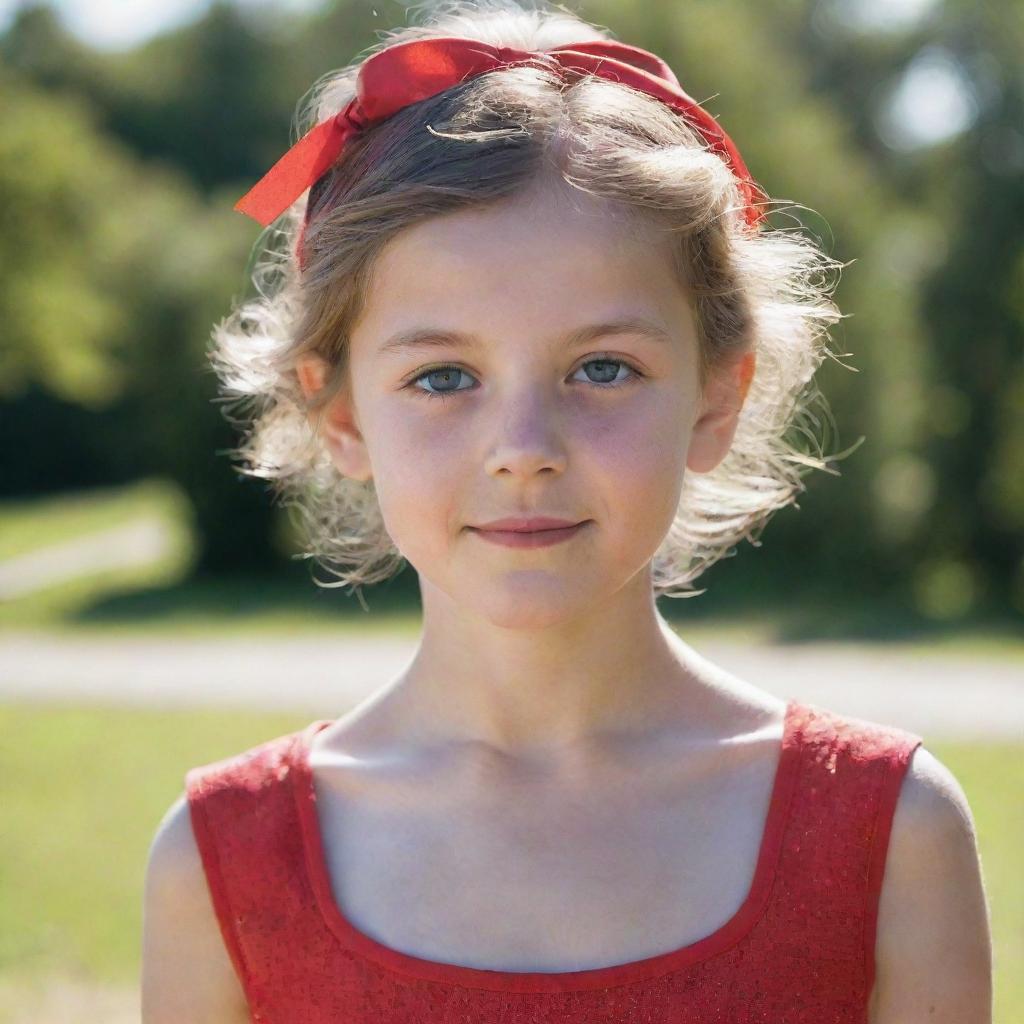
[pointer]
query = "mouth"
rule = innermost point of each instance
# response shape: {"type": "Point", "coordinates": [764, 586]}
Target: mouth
{"type": "Point", "coordinates": [536, 538]}
{"type": "Point", "coordinates": [529, 524]}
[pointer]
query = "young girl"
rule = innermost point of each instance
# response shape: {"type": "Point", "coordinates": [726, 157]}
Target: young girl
{"type": "Point", "coordinates": [530, 332]}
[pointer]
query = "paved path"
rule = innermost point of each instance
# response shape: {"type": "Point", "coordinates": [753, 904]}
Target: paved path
{"type": "Point", "coordinates": [938, 696]}
{"type": "Point", "coordinates": [126, 545]}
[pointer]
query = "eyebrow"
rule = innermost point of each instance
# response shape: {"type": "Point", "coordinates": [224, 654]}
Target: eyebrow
{"type": "Point", "coordinates": [434, 337]}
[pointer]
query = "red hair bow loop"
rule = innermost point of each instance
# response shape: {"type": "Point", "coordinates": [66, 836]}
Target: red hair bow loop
{"type": "Point", "coordinates": [409, 72]}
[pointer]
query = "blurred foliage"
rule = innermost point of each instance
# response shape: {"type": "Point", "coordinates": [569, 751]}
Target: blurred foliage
{"type": "Point", "coordinates": [122, 250]}
{"type": "Point", "coordinates": [62, 326]}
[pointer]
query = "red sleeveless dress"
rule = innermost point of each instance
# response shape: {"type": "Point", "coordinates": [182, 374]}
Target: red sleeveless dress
{"type": "Point", "coordinates": [799, 950]}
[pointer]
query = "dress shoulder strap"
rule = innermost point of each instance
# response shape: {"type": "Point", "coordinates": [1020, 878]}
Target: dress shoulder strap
{"type": "Point", "coordinates": [243, 818]}
{"type": "Point", "coordinates": [837, 838]}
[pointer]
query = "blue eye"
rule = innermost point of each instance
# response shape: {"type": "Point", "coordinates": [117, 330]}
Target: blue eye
{"type": "Point", "coordinates": [451, 371]}
{"type": "Point", "coordinates": [444, 371]}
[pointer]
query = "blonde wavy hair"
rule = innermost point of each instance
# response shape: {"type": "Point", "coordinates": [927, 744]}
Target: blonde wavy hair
{"type": "Point", "coordinates": [486, 139]}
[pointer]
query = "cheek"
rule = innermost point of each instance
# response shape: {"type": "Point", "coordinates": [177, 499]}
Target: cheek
{"type": "Point", "coordinates": [422, 449]}
{"type": "Point", "coordinates": [419, 463]}
{"type": "Point", "coordinates": [640, 456]}
{"type": "Point", "coordinates": [639, 447]}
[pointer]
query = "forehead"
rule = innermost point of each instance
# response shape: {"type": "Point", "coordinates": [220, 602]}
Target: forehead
{"type": "Point", "coordinates": [539, 259]}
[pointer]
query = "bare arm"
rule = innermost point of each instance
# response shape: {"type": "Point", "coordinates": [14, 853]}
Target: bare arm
{"type": "Point", "coordinates": [187, 974]}
{"type": "Point", "coordinates": [933, 949]}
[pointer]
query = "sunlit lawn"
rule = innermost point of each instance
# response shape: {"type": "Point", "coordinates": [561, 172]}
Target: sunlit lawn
{"type": "Point", "coordinates": [83, 790]}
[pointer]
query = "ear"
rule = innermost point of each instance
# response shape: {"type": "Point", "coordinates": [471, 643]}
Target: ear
{"type": "Point", "coordinates": [339, 429]}
{"type": "Point", "coordinates": [715, 427]}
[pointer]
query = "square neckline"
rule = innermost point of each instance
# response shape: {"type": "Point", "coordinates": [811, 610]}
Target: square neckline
{"type": "Point", "coordinates": [731, 932]}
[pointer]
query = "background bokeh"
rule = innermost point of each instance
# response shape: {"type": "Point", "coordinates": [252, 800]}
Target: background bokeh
{"type": "Point", "coordinates": [895, 127]}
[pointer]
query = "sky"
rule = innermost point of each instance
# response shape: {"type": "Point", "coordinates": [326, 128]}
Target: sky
{"type": "Point", "coordinates": [121, 24]}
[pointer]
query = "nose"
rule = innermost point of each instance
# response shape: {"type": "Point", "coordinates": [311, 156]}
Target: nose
{"type": "Point", "coordinates": [528, 440]}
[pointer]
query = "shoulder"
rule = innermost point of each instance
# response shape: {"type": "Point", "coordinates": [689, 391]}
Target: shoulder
{"type": "Point", "coordinates": [931, 795]}
{"type": "Point", "coordinates": [932, 949]}
{"type": "Point", "coordinates": [187, 973]}
{"type": "Point", "coordinates": [174, 870]}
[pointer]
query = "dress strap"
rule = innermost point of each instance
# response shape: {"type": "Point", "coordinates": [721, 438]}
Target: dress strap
{"type": "Point", "coordinates": [243, 818]}
{"type": "Point", "coordinates": [833, 859]}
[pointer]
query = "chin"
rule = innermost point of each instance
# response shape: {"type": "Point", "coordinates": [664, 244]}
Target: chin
{"type": "Point", "coordinates": [529, 608]}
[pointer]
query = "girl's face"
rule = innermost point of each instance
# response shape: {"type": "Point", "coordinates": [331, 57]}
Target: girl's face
{"type": "Point", "coordinates": [483, 387]}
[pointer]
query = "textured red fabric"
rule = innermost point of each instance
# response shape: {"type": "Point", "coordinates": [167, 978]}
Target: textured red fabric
{"type": "Point", "coordinates": [799, 950]}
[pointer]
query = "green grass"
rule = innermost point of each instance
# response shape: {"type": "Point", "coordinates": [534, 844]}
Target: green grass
{"type": "Point", "coordinates": [83, 790]}
{"type": "Point", "coordinates": [992, 776]}
{"type": "Point", "coordinates": [118, 606]}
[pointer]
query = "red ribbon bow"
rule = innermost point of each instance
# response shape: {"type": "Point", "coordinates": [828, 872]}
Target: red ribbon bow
{"type": "Point", "coordinates": [409, 72]}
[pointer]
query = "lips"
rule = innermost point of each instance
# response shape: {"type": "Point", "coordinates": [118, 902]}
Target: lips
{"type": "Point", "coordinates": [531, 524]}
{"type": "Point", "coordinates": [531, 538]}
